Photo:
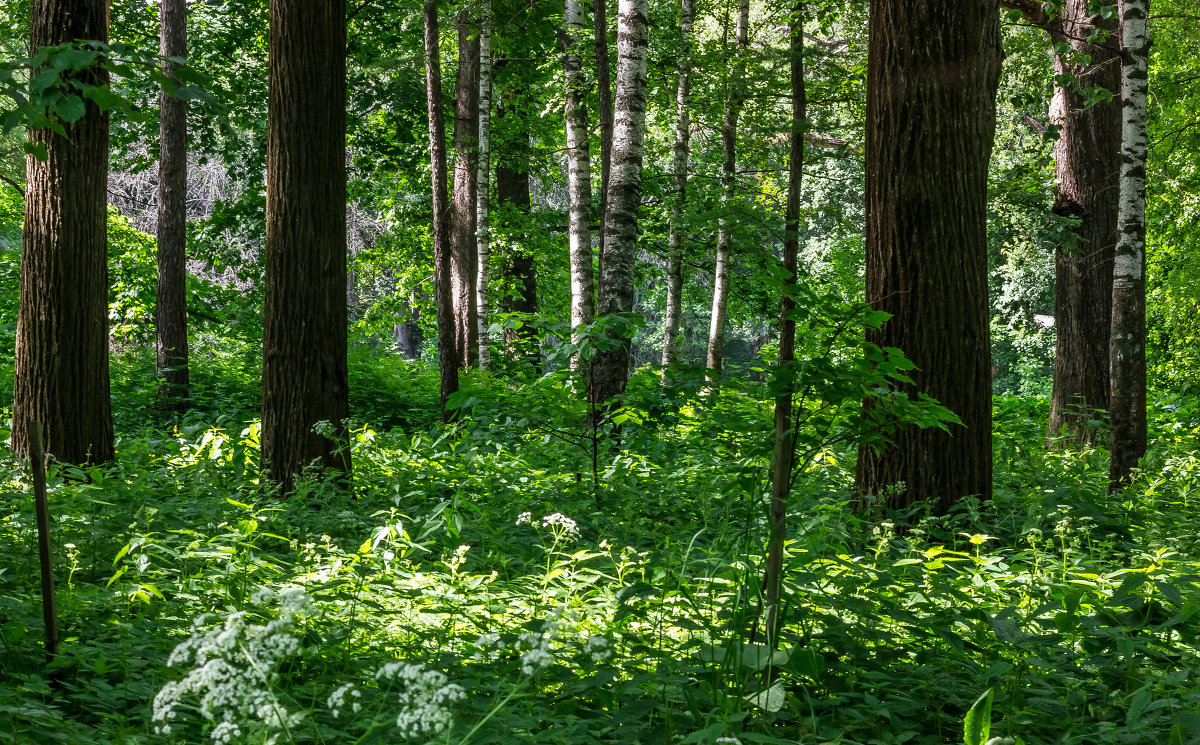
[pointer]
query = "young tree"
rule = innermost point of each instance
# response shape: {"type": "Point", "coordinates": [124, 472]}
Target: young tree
{"type": "Point", "coordinates": [483, 182]}
{"type": "Point", "coordinates": [1086, 169]}
{"type": "Point", "coordinates": [304, 308]}
{"type": "Point", "coordinates": [610, 368]}
{"type": "Point", "coordinates": [170, 305]}
{"type": "Point", "coordinates": [463, 239]}
{"type": "Point", "coordinates": [61, 376]}
{"type": "Point", "coordinates": [679, 175]}
{"type": "Point", "coordinates": [927, 155]}
{"type": "Point", "coordinates": [447, 357]}
{"type": "Point", "coordinates": [1128, 358]}
{"type": "Point", "coordinates": [729, 122]}
{"type": "Point", "coordinates": [579, 172]}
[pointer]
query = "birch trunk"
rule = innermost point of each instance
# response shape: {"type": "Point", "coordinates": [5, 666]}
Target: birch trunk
{"type": "Point", "coordinates": [170, 305]}
{"type": "Point", "coordinates": [483, 216]}
{"type": "Point", "coordinates": [679, 174]}
{"type": "Point", "coordinates": [729, 121]}
{"type": "Point", "coordinates": [604, 97]}
{"type": "Point", "coordinates": [1128, 352]}
{"type": "Point", "coordinates": [579, 175]}
{"type": "Point", "coordinates": [447, 359]}
{"type": "Point", "coordinates": [611, 368]}
{"type": "Point", "coordinates": [463, 240]}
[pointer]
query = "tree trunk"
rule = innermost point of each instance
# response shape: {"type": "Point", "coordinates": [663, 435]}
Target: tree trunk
{"type": "Point", "coordinates": [463, 240]}
{"type": "Point", "coordinates": [579, 174]}
{"type": "Point", "coordinates": [729, 122]}
{"type": "Point", "coordinates": [1087, 169]}
{"type": "Point", "coordinates": [781, 461]}
{"type": "Point", "coordinates": [447, 357]}
{"type": "Point", "coordinates": [605, 113]}
{"type": "Point", "coordinates": [304, 307]}
{"type": "Point", "coordinates": [483, 180]}
{"type": "Point", "coordinates": [933, 70]}
{"type": "Point", "coordinates": [679, 171]}
{"type": "Point", "coordinates": [1128, 400]}
{"type": "Point", "coordinates": [611, 368]}
{"type": "Point", "coordinates": [61, 371]}
{"type": "Point", "coordinates": [170, 306]}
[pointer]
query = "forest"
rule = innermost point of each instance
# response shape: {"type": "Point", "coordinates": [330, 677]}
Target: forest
{"type": "Point", "coordinates": [629, 372]}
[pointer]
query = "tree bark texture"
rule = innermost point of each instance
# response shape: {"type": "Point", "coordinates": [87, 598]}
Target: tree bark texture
{"type": "Point", "coordinates": [447, 352]}
{"type": "Point", "coordinates": [61, 377]}
{"type": "Point", "coordinates": [1127, 435]}
{"type": "Point", "coordinates": [463, 240]}
{"type": "Point", "coordinates": [782, 457]}
{"type": "Point", "coordinates": [579, 173]}
{"type": "Point", "coordinates": [483, 233]}
{"type": "Point", "coordinates": [611, 368]}
{"type": "Point", "coordinates": [933, 68]}
{"type": "Point", "coordinates": [729, 121]}
{"type": "Point", "coordinates": [170, 306]}
{"type": "Point", "coordinates": [1087, 169]}
{"type": "Point", "coordinates": [304, 307]}
{"type": "Point", "coordinates": [604, 104]}
{"type": "Point", "coordinates": [679, 176]}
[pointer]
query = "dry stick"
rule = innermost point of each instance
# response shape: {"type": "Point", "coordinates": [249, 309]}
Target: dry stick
{"type": "Point", "coordinates": [37, 462]}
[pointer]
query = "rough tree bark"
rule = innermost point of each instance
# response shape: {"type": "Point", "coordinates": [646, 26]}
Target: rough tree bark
{"type": "Point", "coordinates": [781, 461]}
{"type": "Point", "coordinates": [931, 88]}
{"type": "Point", "coordinates": [679, 175]}
{"type": "Point", "coordinates": [61, 375]}
{"type": "Point", "coordinates": [729, 122]}
{"type": "Point", "coordinates": [483, 228]}
{"type": "Point", "coordinates": [604, 100]}
{"type": "Point", "coordinates": [170, 305]}
{"type": "Point", "coordinates": [463, 214]}
{"type": "Point", "coordinates": [611, 368]}
{"type": "Point", "coordinates": [579, 173]}
{"type": "Point", "coordinates": [447, 357]}
{"type": "Point", "coordinates": [304, 307]}
{"type": "Point", "coordinates": [1128, 358]}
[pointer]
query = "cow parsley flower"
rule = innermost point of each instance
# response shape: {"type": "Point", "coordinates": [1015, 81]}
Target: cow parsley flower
{"type": "Point", "coordinates": [561, 525]}
{"type": "Point", "coordinates": [337, 700]}
{"type": "Point", "coordinates": [426, 698]}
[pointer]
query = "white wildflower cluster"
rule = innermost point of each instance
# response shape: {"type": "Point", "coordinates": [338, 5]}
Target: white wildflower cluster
{"type": "Point", "coordinates": [233, 670]}
{"type": "Point", "coordinates": [488, 647]}
{"type": "Point", "coordinates": [525, 518]}
{"type": "Point", "coordinates": [426, 699]}
{"type": "Point", "coordinates": [561, 525]}
{"type": "Point", "coordinates": [535, 648]}
{"type": "Point", "coordinates": [337, 700]}
{"type": "Point", "coordinates": [458, 559]}
{"type": "Point", "coordinates": [728, 741]}
{"type": "Point", "coordinates": [598, 648]}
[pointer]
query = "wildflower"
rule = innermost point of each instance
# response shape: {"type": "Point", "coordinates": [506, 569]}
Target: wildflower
{"type": "Point", "coordinates": [728, 741]}
{"type": "Point", "coordinates": [561, 525]}
{"type": "Point", "coordinates": [489, 646]}
{"type": "Point", "coordinates": [426, 698]}
{"type": "Point", "coordinates": [337, 700]}
{"type": "Point", "coordinates": [525, 518]}
{"type": "Point", "coordinates": [598, 648]}
{"type": "Point", "coordinates": [536, 646]}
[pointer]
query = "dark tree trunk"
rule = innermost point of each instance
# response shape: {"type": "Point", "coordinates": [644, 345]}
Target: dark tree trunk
{"type": "Point", "coordinates": [463, 246]}
{"type": "Point", "coordinates": [604, 113]}
{"type": "Point", "coordinates": [170, 307]}
{"type": "Point", "coordinates": [610, 369]}
{"type": "Point", "coordinates": [1087, 167]}
{"type": "Point", "coordinates": [679, 175]}
{"type": "Point", "coordinates": [781, 461]}
{"type": "Point", "coordinates": [447, 353]}
{"type": "Point", "coordinates": [304, 307]}
{"type": "Point", "coordinates": [520, 271]}
{"type": "Point", "coordinates": [61, 375]}
{"type": "Point", "coordinates": [931, 89]}
{"type": "Point", "coordinates": [483, 251]}
{"type": "Point", "coordinates": [1128, 400]}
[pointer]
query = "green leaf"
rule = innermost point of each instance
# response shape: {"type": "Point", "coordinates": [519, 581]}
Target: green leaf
{"type": "Point", "coordinates": [105, 98]}
{"type": "Point", "coordinates": [977, 724]}
{"type": "Point", "coordinates": [71, 109]}
{"type": "Point", "coordinates": [771, 699]}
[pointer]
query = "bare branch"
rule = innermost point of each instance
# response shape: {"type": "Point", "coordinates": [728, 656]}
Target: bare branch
{"type": "Point", "coordinates": [13, 184]}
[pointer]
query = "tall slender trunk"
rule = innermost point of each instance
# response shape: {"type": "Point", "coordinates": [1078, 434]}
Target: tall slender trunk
{"type": "Point", "coordinates": [604, 98]}
{"type": "Point", "coordinates": [463, 240]}
{"type": "Point", "coordinates": [611, 368]}
{"type": "Point", "coordinates": [729, 122]}
{"type": "Point", "coordinates": [170, 305]}
{"type": "Point", "coordinates": [483, 181]}
{"type": "Point", "coordinates": [679, 174]}
{"type": "Point", "coordinates": [1128, 358]}
{"type": "Point", "coordinates": [781, 461]}
{"type": "Point", "coordinates": [61, 375]}
{"type": "Point", "coordinates": [447, 357]}
{"type": "Point", "coordinates": [305, 379]}
{"type": "Point", "coordinates": [579, 173]}
{"type": "Point", "coordinates": [1087, 169]}
{"type": "Point", "coordinates": [927, 154]}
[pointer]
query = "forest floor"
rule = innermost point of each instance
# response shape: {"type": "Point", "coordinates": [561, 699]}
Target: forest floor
{"type": "Point", "coordinates": [476, 585]}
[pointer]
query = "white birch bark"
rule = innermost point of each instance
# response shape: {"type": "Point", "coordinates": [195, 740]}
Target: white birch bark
{"type": "Point", "coordinates": [579, 173]}
{"type": "Point", "coordinates": [679, 172]}
{"type": "Point", "coordinates": [1127, 351]}
{"type": "Point", "coordinates": [483, 183]}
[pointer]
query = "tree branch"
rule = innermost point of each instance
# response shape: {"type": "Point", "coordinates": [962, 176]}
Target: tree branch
{"type": "Point", "coordinates": [13, 184]}
{"type": "Point", "coordinates": [1031, 10]}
